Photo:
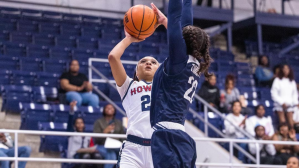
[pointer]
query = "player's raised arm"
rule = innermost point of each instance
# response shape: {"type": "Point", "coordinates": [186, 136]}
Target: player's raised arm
{"type": "Point", "coordinates": [117, 68]}
{"type": "Point", "coordinates": [177, 48]}
{"type": "Point", "coordinates": [187, 13]}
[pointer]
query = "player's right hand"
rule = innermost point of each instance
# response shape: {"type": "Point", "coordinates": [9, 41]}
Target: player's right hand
{"type": "Point", "coordinates": [132, 39]}
{"type": "Point", "coordinates": [162, 19]}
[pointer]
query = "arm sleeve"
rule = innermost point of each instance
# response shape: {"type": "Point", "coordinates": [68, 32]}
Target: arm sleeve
{"type": "Point", "coordinates": [187, 13]}
{"type": "Point", "coordinates": [270, 149]}
{"type": "Point", "coordinates": [178, 57]}
{"type": "Point", "coordinates": [252, 148]}
{"type": "Point", "coordinates": [84, 77]}
{"type": "Point", "coordinates": [71, 150]}
{"type": "Point", "coordinates": [122, 90]}
{"type": "Point", "coordinates": [259, 74]}
{"type": "Point", "coordinates": [271, 131]}
{"type": "Point", "coordinates": [9, 143]}
{"type": "Point", "coordinates": [98, 129]}
{"type": "Point", "coordinates": [70, 127]}
{"type": "Point", "coordinates": [64, 76]}
{"type": "Point", "coordinates": [229, 128]}
{"type": "Point", "coordinates": [249, 126]}
{"type": "Point", "coordinates": [295, 94]}
{"type": "Point", "coordinates": [275, 92]}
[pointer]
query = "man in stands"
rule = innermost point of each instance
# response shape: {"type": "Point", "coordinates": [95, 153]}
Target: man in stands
{"type": "Point", "coordinates": [7, 150]}
{"type": "Point", "coordinates": [76, 87]}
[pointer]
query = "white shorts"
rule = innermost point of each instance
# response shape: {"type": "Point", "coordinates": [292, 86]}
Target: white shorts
{"type": "Point", "coordinates": [279, 108]}
{"type": "Point", "coordinates": [135, 156]}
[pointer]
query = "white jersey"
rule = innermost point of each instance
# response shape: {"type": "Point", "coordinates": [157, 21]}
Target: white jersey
{"type": "Point", "coordinates": [136, 100]}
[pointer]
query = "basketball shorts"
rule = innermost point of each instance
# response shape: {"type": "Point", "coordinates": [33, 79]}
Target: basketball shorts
{"type": "Point", "coordinates": [172, 147]}
{"type": "Point", "coordinates": [135, 153]}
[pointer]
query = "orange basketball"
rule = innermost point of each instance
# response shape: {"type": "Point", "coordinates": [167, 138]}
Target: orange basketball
{"type": "Point", "coordinates": [140, 21]}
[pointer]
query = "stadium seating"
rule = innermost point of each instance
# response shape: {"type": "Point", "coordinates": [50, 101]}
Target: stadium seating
{"type": "Point", "coordinates": [37, 46]}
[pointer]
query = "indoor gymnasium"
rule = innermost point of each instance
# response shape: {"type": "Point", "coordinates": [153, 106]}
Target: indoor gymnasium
{"type": "Point", "coordinates": [149, 83]}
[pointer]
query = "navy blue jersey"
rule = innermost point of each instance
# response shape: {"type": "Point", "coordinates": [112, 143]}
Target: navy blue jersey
{"type": "Point", "coordinates": [173, 94]}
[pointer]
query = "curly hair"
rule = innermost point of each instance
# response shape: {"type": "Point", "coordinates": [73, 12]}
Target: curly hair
{"type": "Point", "coordinates": [198, 44]}
{"type": "Point", "coordinates": [281, 74]}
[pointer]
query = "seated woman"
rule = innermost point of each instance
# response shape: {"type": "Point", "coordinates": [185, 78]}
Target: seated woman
{"type": "Point", "coordinates": [237, 119]}
{"type": "Point", "coordinates": [260, 119]}
{"type": "Point", "coordinates": [229, 95]}
{"type": "Point", "coordinates": [210, 92]}
{"type": "Point", "coordinates": [108, 124]}
{"type": "Point", "coordinates": [263, 73]}
{"type": "Point", "coordinates": [284, 152]}
{"type": "Point", "coordinates": [78, 146]}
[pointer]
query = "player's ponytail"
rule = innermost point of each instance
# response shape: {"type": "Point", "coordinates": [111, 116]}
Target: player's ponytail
{"type": "Point", "coordinates": [135, 78]}
{"type": "Point", "coordinates": [198, 44]}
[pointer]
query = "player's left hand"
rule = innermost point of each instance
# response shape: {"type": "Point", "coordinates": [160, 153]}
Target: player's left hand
{"type": "Point", "coordinates": [162, 19]}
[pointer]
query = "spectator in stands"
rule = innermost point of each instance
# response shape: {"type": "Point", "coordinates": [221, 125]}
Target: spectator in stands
{"type": "Point", "coordinates": [245, 110]}
{"type": "Point", "coordinates": [233, 120]}
{"type": "Point", "coordinates": [285, 95]}
{"type": "Point", "coordinates": [78, 146]}
{"type": "Point", "coordinates": [293, 162]}
{"type": "Point", "coordinates": [7, 149]}
{"type": "Point", "coordinates": [210, 92]}
{"type": "Point", "coordinates": [230, 94]}
{"type": "Point", "coordinates": [284, 152]}
{"type": "Point", "coordinates": [267, 151]}
{"type": "Point", "coordinates": [76, 87]}
{"type": "Point", "coordinates": [108, 125]}
{"type": "Point", "coordinates": [259, 119]}
{"type": "Point", "coordinates": [263, 73]}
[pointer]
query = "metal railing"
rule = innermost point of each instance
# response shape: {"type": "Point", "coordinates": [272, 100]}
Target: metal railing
{"type": "Point", "coordinates": [16, 159]}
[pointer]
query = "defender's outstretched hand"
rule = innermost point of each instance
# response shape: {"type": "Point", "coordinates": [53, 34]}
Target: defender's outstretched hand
{"type": "Point", "coordinates": [162, 19]}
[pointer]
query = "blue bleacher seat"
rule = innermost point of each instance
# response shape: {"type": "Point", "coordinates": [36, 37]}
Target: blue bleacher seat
{"type": "Point", "coordinates": [43, 94]}
{"type": "Point", "coordinates": [148, 49]}
{"type": "Point", "coordinates": [52, 16]}
{"type": "Point", "coordinates": [89, 43]}
{"type": "Point", "coordinates": [4, 35]}
{"type": "Point", "coordinates": [82, 54]}
{"type": "Point", "coordinates": [14, 49]}
{"type": "Point", "coordinates": [28, 26]}
{"type": "Point", "coordinates": [9, 63]}
{"type": "Point", "coordinates": [113, 94]}
{"type": "Point", "coordinates": [33, 113]}
{"type": "Point", "coordinates": [8, 24]}
{"type": "Point", "coordinates": [13, 94]}
{"type": "Point", "coordinates": [66, 41]}
{"type": "Point", "coordinates": [60, 53]}
{"type": "Point", "coordinates": [91, 31]}
{"type": "Point", "coordinates": [5, 77]}
{"type": "Point", "coordinates": [47, 79]}
{"type": "Point", "coordinates": [44, 39]}
{"type": "Point", "coordinates": [54, 66]}
{"type": "Point", "coordinates": [71, 18]}
{"type": "Point", "coordinates": [38, 51]}
{"type": "Point", "coordinates": [23, 78]}
{"type": "Point", "coordinates": [21, 37]}
{"type": "Point", "coordinates": [31, 64]}
{"type": "Point", "coordinates": [62, 113]}
{"type": "Point", "coordinates": [71, 30]}
{"type": "Point", "coordinates": [50, 28]}
{"type": "Point", "coordinates": [30, 14]}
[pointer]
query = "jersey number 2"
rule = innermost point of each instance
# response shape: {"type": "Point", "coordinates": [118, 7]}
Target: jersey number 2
{"type": "Point", "coordinates": [194, 86]}
{"type": "Point", "coordinates": [145, 105]}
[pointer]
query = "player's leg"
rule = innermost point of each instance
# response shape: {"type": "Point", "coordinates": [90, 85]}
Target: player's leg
{"type": "Point", "coordinates": [173, 149]}
{"type": "Point", "coordinates": [129, 156]}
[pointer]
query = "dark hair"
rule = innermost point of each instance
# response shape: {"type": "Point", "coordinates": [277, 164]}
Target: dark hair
{"type": "Point", "coordinates": [257, 107]}
{"type": "Point", "coordinates": [234, 102]}
{"type": "Point", "coordinates": [256, 127]}
{"type": "Point", "coordinates": [281, 75]}
{"type": "Point", "coordinates": [104, 109]}
{"type": "Point", "coordinates": [283, 125]}
{"type": "Point", "coordinates": [198, 44]}
{"type": "Point", "coordinates": [135, 78]}
{"type": "Point", "coordinates": [75, 120]}
{"type": "Point", "coordinates": [228, 78]}
{"type": "Point", "coordinates": [260, 60]}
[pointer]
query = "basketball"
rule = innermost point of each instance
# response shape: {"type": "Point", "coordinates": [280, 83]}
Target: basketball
{"type": "Point", "coordinates": [140, 21]}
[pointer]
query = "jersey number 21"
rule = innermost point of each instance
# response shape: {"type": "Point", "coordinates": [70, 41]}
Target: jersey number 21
{"type": "Point", "coordinates": [194, 84]}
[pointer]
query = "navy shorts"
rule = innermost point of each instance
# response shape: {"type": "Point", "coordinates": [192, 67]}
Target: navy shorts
{"type": "Point", "coordinates": [173, 149]}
